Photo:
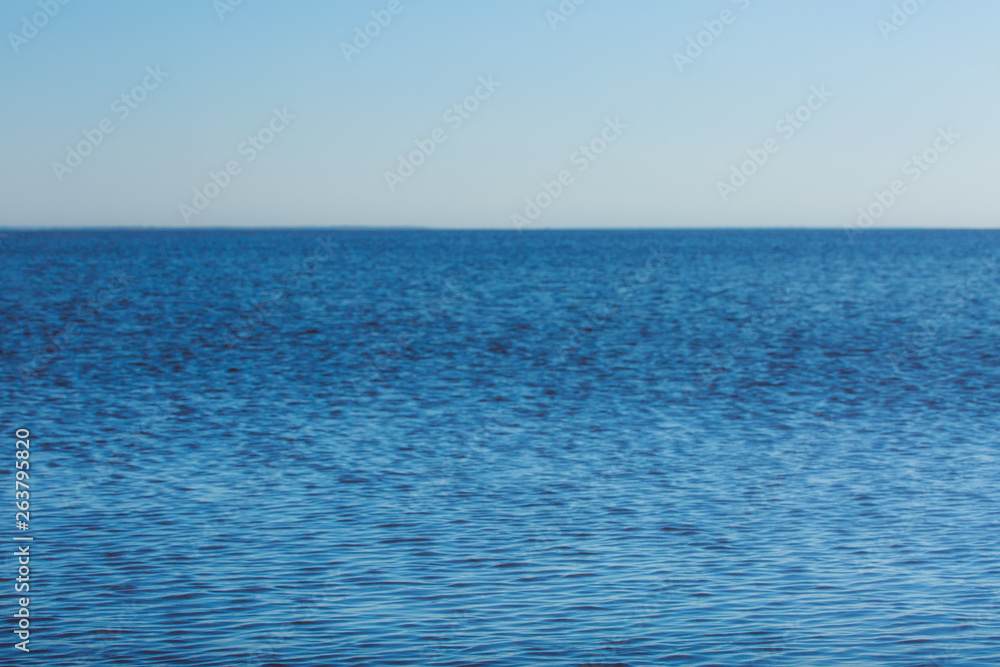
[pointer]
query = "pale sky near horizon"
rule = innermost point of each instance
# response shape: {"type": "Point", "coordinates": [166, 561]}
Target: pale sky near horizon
{"type": "Point", "coordinates": [183, 86]}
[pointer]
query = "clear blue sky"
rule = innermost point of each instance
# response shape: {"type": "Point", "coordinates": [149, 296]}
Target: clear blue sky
{"type": "Point", "coordinates": [685, 129]}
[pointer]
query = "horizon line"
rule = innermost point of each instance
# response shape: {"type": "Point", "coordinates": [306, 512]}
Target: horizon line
{"type": "Point", "coordinates": [414, 228]}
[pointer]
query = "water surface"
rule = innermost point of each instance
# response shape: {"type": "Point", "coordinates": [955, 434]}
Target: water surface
{"type": "Point", "coordinates": [485, 448]}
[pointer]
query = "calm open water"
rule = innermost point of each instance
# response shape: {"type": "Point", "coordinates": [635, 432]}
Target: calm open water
{"type": "Point", "coordinates": [584, 448]}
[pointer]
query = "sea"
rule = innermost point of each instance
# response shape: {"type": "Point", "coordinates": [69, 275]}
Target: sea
{"type": "Point", "coordinates": [498, 448]}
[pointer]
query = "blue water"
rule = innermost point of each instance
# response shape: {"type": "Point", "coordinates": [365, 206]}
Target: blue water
{"type": "Point", "coordinates": [454, 448]}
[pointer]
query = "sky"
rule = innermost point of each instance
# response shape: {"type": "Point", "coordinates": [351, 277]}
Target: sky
{"type": "Point", "coordinates": [229, 113]}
